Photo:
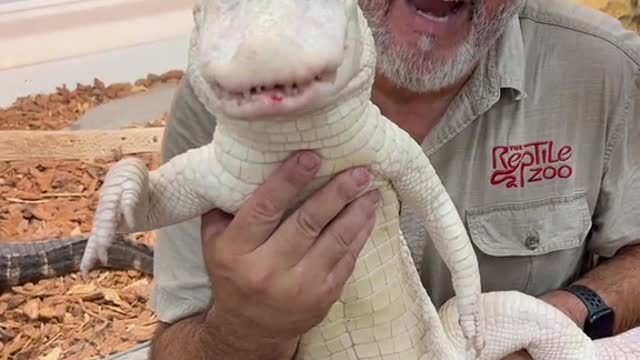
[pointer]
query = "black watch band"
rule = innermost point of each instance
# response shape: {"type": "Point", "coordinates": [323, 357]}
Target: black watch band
{"type": "Point", "coordinates": [600, 317]}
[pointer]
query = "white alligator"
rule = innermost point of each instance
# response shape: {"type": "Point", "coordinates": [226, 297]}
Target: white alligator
{"type": "Point", "coordinates": [287, 75]}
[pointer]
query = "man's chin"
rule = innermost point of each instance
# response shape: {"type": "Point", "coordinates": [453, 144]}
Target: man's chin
{"type": "Point", "coordinates": [421, 60]}
{"type": "Point", "coordinates": [424, 63]}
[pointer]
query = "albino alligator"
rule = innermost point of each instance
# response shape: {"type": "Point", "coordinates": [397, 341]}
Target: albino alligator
{"type": "Point", "coordinates": [287, 75]}
{"type": "Point", "coordinates": [30, 261]}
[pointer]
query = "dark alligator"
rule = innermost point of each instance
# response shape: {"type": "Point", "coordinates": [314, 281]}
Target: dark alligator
{"type": "Point", "coordinates": [31, 261]}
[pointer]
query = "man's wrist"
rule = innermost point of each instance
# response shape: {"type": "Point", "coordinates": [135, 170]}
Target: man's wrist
{"type": "Point", "coordinates": [569, 304]}
{"type": "Point", "coordinates": [243, 339]}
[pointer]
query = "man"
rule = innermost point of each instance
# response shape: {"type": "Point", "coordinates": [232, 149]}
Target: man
{"type": "Point", "coordinates": [529, 111]}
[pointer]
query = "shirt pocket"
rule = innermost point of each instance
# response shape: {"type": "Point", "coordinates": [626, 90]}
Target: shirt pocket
{"type": "Point", "coordinates": [538, 243]}
{"type": "Point", "coordinates": [531, 228]}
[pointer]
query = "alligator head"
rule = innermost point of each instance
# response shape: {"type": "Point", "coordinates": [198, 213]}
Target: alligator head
{"type": "Point", "coordinates": [259, 59]}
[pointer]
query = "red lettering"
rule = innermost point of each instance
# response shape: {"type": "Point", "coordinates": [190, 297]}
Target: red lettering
{"type": "Point", "coordinates": [568, 171]}
{"type": "Point", "coordinates": [549, 159]}
{"type": "Point", "coordinates": [503, 150]}
{"type": "Point", "coordinates": [564, 153]}
{"type": "Point", "coordinates": [516, 165]}
{"type": "Point", "coordinates": [504, 176]}
{"type": "Point", "coordinates": [535, 175]}
{"type": "Point", "coordinates": [549, 172]}
{"type": "Point", "coordinates": [537, 152]}
{"type": "Point", "coordinates": [514, 159]}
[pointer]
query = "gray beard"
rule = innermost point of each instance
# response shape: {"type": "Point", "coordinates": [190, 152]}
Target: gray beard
{"type": "Point", "coordinates": [413, 69]}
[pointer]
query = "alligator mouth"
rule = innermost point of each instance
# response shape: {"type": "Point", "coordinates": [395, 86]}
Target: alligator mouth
{"type": "Point", "coordinates": [274, 92]}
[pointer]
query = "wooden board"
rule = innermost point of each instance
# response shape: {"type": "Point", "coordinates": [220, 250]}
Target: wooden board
{"type": "Point", "coordinates": [80, 144]}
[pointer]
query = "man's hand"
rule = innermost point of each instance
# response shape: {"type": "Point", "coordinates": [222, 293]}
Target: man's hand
{"type": "Point", "coordinates": [274, 279]}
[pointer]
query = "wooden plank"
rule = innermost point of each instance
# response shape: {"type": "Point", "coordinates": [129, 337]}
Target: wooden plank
{"type": "Point", "coordinates": [77, 144]}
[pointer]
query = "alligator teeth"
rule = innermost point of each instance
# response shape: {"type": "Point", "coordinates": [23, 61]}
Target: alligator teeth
{"type": "Point", "coordinates": [252, 93]}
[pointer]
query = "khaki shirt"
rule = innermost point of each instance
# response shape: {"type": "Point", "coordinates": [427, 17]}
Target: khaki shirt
{"type": "Point", "coordinates": [540, 153]}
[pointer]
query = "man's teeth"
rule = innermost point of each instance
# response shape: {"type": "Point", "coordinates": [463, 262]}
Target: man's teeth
{"type": "Point", "coordinates": [443, 17]}
{"type": "Point", "coordinates": [433, 17]}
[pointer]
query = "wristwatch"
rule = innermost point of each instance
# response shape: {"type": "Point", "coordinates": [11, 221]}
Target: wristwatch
{"type": "Point", "coordinates": [600, 317]}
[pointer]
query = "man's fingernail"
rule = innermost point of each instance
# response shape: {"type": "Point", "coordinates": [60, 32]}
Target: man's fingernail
{"type": "Point", "coordinates": [308, 161]}
{"type": "Point", "coordinates": [374, 196]}
{"type": "Point", "coordinates": [360, 175]}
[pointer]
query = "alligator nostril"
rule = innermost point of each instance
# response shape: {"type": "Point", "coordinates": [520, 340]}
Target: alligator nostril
{"type": "Point", "coordinates": [254, 90]}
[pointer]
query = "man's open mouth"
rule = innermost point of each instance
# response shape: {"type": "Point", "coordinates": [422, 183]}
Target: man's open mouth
{"type": "Point", "coordinates": [439, 17]}
{"type": "Point", "coordinates": [439, 9]}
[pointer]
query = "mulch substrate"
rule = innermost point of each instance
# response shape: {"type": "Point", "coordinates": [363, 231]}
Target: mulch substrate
{"type": "Point", "coordinates": [66, 317]}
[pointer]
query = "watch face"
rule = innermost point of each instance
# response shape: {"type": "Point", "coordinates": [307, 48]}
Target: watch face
{"type": "Point", "coordinates": [600, 324]}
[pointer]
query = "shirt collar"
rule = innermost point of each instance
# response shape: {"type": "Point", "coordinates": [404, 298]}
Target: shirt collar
{"type": "Point", "coordinates": [501, 71]}
{"type": "Point", "coordinates": [509, 59]}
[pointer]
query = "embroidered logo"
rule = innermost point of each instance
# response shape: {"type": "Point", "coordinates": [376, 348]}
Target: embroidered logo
{"type": "Point", "coordinates": [515, 166]}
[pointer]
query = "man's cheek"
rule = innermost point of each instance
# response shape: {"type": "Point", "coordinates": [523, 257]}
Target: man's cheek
{"type": "Point", "coordinates": [376, 6]}
{"type": "Point", "coordinates": [491, 8]}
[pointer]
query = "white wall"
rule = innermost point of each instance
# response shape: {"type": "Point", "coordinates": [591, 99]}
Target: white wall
{"type": "Point", "coordinates": [77, 40]}
{"type": "Point", "coordinates": [157, 57]}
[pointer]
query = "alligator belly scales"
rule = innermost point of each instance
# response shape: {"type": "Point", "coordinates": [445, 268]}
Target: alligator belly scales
{"type": "Point", "coordinates": [312, 91]}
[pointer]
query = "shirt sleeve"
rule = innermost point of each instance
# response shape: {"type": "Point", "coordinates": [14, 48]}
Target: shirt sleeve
{"type": "Point", "coordinates": [181, 284]}
{"type": "Point", "coordinates": [616, 221]}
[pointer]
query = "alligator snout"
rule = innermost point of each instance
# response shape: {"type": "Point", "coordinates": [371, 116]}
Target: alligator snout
{"type": "Point", "coordinates": [273, 42]}
{"type": "Point", "coordinates": [274, 60]}
{"type": "Point", "coordinates": [280, 54]}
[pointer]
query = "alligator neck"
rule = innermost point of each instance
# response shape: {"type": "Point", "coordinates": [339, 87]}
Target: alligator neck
{"type": "Point", "coordinates": [298, 131]}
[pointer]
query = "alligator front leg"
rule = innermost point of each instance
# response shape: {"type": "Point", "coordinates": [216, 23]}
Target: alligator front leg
{"type": "Point", "coordinates": [418, 185]}
{"type": "Point", "coordinates": [132, 199]}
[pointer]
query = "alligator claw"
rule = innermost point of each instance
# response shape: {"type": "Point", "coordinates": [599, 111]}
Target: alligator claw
{"type": "Point", "coordinates": [116, 210]}
{"type": "Point", "coordinates": [471, 327]}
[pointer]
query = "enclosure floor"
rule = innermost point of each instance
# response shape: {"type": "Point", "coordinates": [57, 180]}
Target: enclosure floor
{"type": "Point", "coordinates": [65, 318]}
{"type": "Point", "coordinates": [139, 352]}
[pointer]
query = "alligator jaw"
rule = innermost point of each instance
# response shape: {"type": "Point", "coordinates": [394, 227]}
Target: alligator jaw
{"type": "Point", "coordinates": [274, 97]}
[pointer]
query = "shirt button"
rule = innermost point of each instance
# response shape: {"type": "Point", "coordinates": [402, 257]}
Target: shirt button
{"type": "Point", "coordinates": [532, 241]}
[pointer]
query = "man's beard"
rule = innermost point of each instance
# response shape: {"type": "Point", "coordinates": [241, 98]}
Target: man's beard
{"type": "Point", "coordinates": [413, 68]}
